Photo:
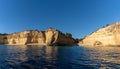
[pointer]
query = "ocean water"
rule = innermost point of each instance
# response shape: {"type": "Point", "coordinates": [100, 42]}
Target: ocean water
{"type": "Point", "coordinates": [59, 57]}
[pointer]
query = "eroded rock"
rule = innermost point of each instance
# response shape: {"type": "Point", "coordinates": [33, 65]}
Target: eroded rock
{"type": "Point", "coordinates": [55, 37]}
{"type": "Point", "coordinates": [49, 37]}
{"type": "Point", "coordinates": [106, 36]}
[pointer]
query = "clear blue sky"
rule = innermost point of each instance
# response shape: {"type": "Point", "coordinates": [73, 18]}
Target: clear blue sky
{"type": "Point", "coordinates": [78, 17]}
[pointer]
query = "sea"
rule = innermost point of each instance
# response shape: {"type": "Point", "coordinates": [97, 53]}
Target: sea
{"type": "Point", "coordinates": [59, 57]}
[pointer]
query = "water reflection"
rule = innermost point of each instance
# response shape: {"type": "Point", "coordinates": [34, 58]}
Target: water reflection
{"type": "Point", "coordinates": [58, 57]}
{"type": "Point", "coordinates": [11, 55]}
{"type": "Point", "coordinates": [105, 57]}
{"type": "Point", "coordinates": [40, 57]}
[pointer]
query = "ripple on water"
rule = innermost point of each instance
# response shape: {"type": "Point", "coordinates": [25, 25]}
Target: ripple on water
{"type": "Point", "coordinates": [48, 57]}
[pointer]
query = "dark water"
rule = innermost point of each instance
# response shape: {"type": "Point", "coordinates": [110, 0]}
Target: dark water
{"type": "Point", "coordinates": [47, 57]}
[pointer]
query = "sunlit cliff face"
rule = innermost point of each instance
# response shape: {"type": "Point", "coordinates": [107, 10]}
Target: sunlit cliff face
{"type": "Point", "coordinates": [51, 36]}
{"type": "Point", "coordinates": [26, 37]}
{"type": "Point", "coordinates": [106, 36]}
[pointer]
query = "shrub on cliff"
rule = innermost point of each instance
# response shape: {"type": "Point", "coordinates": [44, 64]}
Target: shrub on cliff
{"type": "Point", "coordinates": [3, 34]}
{"type": "Point", "coordinates": [78, 40]}
{"type": "Point", "coordinates": [69, 35]}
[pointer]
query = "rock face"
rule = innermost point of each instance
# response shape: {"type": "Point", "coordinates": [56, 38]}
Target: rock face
{"type": "Point", "coordinates": [106, 36]}
{"type": "Point", "coordinates": [3, 39]}
{"type": "Point", "coordinates": [49, 37]}
{"type": "Point", "coordinates": [55, 37]}
{"type": "Point", "coordinates": [27, 37]}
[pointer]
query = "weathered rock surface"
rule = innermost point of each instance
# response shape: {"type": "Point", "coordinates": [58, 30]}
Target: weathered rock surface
{"type": "Point", "coordinates": [55, 37]}
{"type": "Point", "coordinates": [106, 36]}
{"type": "Point", "coordinates": [49, 37]}
{"type": "Point", "coordinates": [3, 39]}
{"type": "Point", "coordinates": [26, 37]}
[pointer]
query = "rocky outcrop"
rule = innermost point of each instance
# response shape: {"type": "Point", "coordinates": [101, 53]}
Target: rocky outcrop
{"type": "Point", "coordinates": [3, 39]}
{"type": "Point", "coordinates": [55, 37]}
{"type": "Point", "coordinates": [26, 37]}
{"type": "Point", "coordinates": [109, 35]}
{"type": "Point", "coordinates": [49, 37]}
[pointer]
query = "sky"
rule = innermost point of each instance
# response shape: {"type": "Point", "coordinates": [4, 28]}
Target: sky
{"type": "Point", "coordinates": [78, 17]}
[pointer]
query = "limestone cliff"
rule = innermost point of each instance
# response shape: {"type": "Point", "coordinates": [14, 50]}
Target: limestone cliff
{"type": "Point", "coordinates": [49, 37]}
{"type": "Point", "coordinates": [109, 35]}
{"type": "Point", "coordinates": [26, 37]}
{"type": "Point", "coordinates": [55, 37]}
{"type": "Point", "coordinates": [3, 39]}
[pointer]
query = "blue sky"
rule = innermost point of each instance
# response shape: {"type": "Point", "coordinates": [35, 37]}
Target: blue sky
{"type": "Point", "coordinates": [78, 17]}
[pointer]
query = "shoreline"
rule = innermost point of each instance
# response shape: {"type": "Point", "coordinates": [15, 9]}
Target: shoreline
{"type": "Point", "coordinates": [26, 44]}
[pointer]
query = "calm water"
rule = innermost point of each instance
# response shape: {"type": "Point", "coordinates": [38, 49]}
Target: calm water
{"type": "Point", "coordinates": [47, 57]}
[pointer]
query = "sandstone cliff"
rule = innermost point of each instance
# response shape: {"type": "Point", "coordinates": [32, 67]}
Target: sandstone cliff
{"type": "Point", "coordinates": [49, 37]}
{"type": "Point", "coordinates": [109, 35]}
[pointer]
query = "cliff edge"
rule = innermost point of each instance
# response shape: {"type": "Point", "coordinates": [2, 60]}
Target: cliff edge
{"type": "Point", "coordinates": [109, 35]}
{"type": "Point", "coordinates": [50, 37]}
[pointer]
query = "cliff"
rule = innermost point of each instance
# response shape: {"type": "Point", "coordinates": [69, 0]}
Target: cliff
{"type": "Point", "coordinates": [55, 37]}
{"type": "Point", "coordinates": [109, 35]}
{"type": "Point", "coordinates": [49, 37]}
{"type": "Point", "coordinates": [3, 39]}
{"type": "Point", "coordinates": [26, 37]}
